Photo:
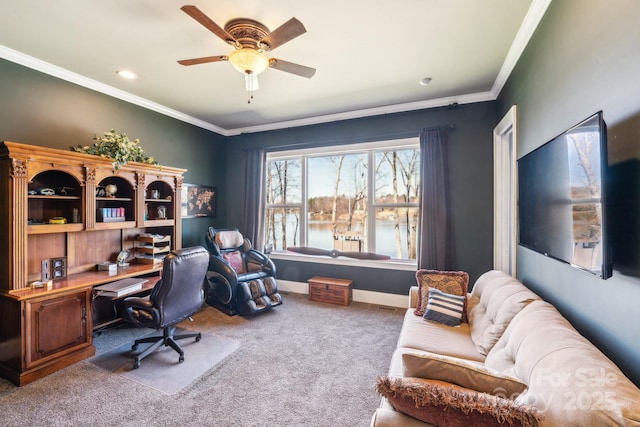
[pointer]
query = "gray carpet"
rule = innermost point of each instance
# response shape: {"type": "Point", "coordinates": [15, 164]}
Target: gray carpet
{"type": "Point", "coordinates": [301, 364]}
{"type": "Point", "coordinates": [160, 370]}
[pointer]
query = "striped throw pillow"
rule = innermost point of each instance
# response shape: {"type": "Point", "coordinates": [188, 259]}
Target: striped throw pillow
{"type": "Point", "coordinates": [444, 308]}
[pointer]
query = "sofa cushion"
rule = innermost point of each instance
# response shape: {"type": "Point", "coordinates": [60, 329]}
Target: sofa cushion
{"type": "Point", "coordinates": [451, 282]}
{"type": "Point", "coordinates": [444, 308]}
{"type": "Point", "coordinates": [569, 379]}
{"type": "Point", "coordinates": [495, 298]}
{"type": "Point", "coordinates": [445, 404]}
{"type": "Point", "coordinates": [419, 334]}
{"type": "Point", "coordinates": [464, 373]}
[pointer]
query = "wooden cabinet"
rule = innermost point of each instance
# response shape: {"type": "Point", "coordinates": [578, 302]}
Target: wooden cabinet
{"type": "Point", "coordinates": [56, 325]}
{"type": "Point", "coordinates": [44, 334]}
{"type": "Point", "coordinates": [55, 204]}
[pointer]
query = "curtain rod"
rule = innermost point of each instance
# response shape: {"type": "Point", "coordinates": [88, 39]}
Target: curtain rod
{"type": "Point", "coordinates": [368, 138]}
{"type": "Point", "coordinates": [443, 127]}
{"type": "Point", "coordinates": [354, 140]}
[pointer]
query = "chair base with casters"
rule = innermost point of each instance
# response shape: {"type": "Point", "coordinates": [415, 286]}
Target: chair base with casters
{"type": "Point", "coordinates": [175, 297]}
{"type": "Point", "coordinates": [168, 338]}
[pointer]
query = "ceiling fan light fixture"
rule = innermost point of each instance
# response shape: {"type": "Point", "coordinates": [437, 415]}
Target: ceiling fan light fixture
{"type": "Point", "coordinates": [251, 82]}
{"type": "Point", "coordinates": [248, 61]}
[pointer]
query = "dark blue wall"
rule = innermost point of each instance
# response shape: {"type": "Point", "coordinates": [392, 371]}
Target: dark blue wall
{"type": "Point", "coordinates": [43, 110]}
{"type": "Point", "coordinates": [584, 57]}
{"type": "Point", "coordinates": [471, 165]}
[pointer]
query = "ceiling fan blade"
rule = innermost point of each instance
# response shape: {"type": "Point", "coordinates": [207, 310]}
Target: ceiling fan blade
{"type": "Point", "coordinates": [203, 19]}
{"type": "Point", "coordinates": [203, 60]}
{"type": "Point", "coordinates": [284, 33]}
{"type": "Point", "coordinates": [290, 67]}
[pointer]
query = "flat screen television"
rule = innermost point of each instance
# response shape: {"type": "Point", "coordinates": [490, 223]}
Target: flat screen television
{"type": "Point", "coordinates": [561, 198]}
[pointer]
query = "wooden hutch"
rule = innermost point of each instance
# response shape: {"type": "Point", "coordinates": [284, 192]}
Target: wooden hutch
{"type": "Point", "coordinates": [45, 329]}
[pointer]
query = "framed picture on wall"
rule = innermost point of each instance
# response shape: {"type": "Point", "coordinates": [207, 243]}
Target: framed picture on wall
{"type": "Point", "coordinates": [198, 201]}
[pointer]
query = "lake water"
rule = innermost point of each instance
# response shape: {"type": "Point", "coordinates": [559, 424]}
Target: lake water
{"type": "Point", "coordinates": [320, 236]}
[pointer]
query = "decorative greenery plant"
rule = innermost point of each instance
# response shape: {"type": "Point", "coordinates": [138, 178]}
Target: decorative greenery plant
{"type": "Point", "coordinates": [117, 147]}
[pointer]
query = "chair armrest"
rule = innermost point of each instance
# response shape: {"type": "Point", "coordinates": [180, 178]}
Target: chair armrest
{"type": "Point", "coordinates": [257, 261]}
{"type": "Point", "coordinates": [223, 269]}
{"type": "Point", "coordinates": [413, 297]}
{"type": "Point", "coordinates": [141, 311]}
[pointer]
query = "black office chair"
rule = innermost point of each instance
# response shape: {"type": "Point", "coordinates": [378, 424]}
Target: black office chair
{"type": "Point", "coordinates": [175, 297]}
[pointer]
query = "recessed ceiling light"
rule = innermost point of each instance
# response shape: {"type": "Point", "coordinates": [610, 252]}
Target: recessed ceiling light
{"type": "Point", "coordinates": [127, 74]}
{"type": "Point", "coordinates": [425, 81]}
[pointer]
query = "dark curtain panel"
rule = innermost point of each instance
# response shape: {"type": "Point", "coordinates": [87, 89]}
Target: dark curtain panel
{"type": "Point", "coordinates": [436, 238]}
{"type": "Point", "coordinates": [252, 225]}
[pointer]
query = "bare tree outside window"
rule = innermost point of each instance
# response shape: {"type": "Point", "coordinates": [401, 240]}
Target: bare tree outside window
{"type": "Point", "coordinates": [282, 216]}
{"type": "Point", "coordinates": [339, 224]}
{"type": "Point", "coordinates": [397, 189]}
{"type": "Point", "coordinates": [355, 201]}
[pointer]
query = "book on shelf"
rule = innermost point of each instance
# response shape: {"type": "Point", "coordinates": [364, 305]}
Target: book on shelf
{"type": "Point", "coordinates": [120, 287]}
{"type": "Point", "coordinates": [111, 214]}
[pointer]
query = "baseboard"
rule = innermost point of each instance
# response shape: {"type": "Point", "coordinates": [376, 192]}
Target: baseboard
{"type": "Point", "coordinates": [359, 295]}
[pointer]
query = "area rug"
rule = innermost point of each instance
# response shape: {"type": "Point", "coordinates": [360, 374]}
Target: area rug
{"type": "Point", "coordinates": [161, 370]}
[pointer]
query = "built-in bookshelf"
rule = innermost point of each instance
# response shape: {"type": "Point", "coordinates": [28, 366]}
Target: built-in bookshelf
{"type": "Point", "coordinates": [60, 204]}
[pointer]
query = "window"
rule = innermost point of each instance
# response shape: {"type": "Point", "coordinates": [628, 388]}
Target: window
{"type": "Point", "coordinates": [356, 198]}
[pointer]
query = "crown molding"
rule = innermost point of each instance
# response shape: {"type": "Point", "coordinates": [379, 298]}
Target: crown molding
{"type": "Point", "coordinates": [64, 74]}
{"type": "Point", "coordinates": [529, 24]}
{"type": "Point", "coordinates": [376, 111]}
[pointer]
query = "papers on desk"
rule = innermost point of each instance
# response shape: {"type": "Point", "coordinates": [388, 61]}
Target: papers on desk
{"type": "Point", "coordinates": [121, 287]}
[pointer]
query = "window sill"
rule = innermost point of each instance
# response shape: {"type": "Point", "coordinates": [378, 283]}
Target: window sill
{"type": "Point", "coordinates": [385, 265]}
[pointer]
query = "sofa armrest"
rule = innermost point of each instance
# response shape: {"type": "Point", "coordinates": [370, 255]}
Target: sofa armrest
{"type": "Point", "coordinates": [413, 297]}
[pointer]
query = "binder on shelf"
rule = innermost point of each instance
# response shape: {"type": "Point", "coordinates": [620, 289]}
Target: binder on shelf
{"type": "Point", "coordinates": [120, 287]}
{"type": "Point", "coordinates": [111, 214]}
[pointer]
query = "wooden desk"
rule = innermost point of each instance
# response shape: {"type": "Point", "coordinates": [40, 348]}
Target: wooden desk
{"type": "Point", "coordinates": [83, 280]}
{"type": "Point", "coordinates": [108, 311]}
{"type": "Point", "coordinates": [44, 330]}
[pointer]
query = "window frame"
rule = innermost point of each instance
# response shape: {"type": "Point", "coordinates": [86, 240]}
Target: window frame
{"type": "Point", "coordinates": [368, 148]}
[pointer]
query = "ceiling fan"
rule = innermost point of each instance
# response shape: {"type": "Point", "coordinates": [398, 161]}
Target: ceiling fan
{"type": "Point", "coordinates": [251, 39]}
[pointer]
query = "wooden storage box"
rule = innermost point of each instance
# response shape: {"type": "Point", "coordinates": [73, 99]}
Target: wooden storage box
{"type": "Point", "coordinates": [330, 290]}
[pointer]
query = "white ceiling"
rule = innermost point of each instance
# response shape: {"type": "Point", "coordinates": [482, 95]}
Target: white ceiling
{"type": "Point", "coordinates": [369, 55]}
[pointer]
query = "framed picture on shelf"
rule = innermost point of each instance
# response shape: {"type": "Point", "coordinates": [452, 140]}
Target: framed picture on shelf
{"type": "Point", "coordinates": [197, 201]}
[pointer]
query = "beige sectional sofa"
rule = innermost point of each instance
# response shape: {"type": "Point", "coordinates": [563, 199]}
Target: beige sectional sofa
{"type": "Point", "coordinates": [522, 355]}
